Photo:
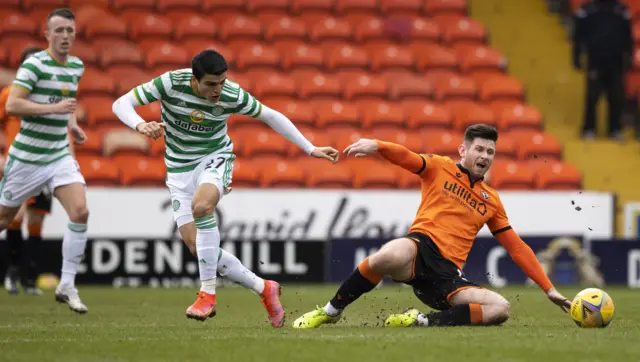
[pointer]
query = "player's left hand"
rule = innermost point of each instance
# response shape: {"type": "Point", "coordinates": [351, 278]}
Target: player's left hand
{"type": "Point", "coordinates": [558, 299]}
{"type": "Point", "coordinates": [328, 153]}
{"type": "Point", "coordinates": [79, 137]}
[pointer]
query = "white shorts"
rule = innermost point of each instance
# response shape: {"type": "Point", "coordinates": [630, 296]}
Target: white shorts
{"type": "Point", "coordinates": [216, 169]}
{"type": "Point", "coordinates": [24, 180]}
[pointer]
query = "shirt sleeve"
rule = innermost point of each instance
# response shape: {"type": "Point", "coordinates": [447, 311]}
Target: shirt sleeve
{"type": "Point", "coordinates": [28, 74]}
{"type": "Point", "coordinates": [524, 258]}
{"type": "Point", "coordinates": [420, 164]}
{"type": "Point", "coordinates": [153, 90]}
{"type": "Point", "coordinates": [248, 105]}
{"type": "Point", "coordinates": [499, 223]}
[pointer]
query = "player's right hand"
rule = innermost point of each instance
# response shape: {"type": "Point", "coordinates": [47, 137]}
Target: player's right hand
{"type": "Point", "coordinates": [65, 106]}
{"type": "Point", "coordinates": [151, 129]}
{"type": "Point", "coordinates": [364, 147]}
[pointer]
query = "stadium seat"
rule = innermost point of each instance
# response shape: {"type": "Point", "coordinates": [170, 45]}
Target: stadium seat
{"type": "Point", "coordinates": [319, 86]}
{"type": "Point", "coordinates": [86, 52]}
{"type": "Point", "coordinates": [257, 56]}
{"type": "Point", "coordinates": [372, 28]}
{"type": "Point", "coordinates": [409, 139]}
{"type": "Point", "coordinates": [12, 4]}
{"type": "Point", "coordinates": [214, 5]}
{"type": "Point", "coordinates": [427, 115]}
{"type": "Point", "coordinates": [517, 117]}
{"type": "Point", "coordinates": [127, 79]}
{"type": "Point", "coordinates": [330, 29]}
{"type": "Point", "coordinates": [435, 7]}
{"type": "Point", "coordinates": [476, 57]}
{"type": "Point", "coordinates": [53, 4]}
{"type": "Point", "coordinates": [377, 113]}
{"type": "Point", "coordinates": [240, 27]}
{"type": "Point", "coordinates": [424, 30]}
{"type": "Point", "coordinates": [407, 88]}
{"type": "Point", "coordinates": [329, 176]}
{"type": "Point", "coordinates": [259, 6]}
{"type": "Point", "coordinates": [195, 46]}
{"type": "Point", "coordinates": [366, 87]}
{"type": "Point", "coordinates": [465, 30]}
{"type": "Point", "coordinates": [458, 87]}
{"type": "Point", "coordinates": [347, 57]}
{"type": "Point", "coordinates": [150, 112]}
{"type": "Point", "coordinates": [354, 6]}
{"type": "Point", "coordinates": [392, 58]}
{"type": "Point", "coordinates": [4, 56]}
{"type": "Point", "coordinates": [408, 180]}
{"type": "Point", "coordinates": [123, 55]}
{"type": "Point", "coordinates": [299, 112]}
{"type": "Point", "coordinates": [99, 111]}
{"type": "Point", "coordinates": [536, 144]}
{"type": "Point", "coordinates": [105, 27]}
{"type": "Point", "coordinates": [282, 174]}
{"type": "Point", "coordinates": [18, 24]}
{"type": "Point", "coordinates": [432, 56]}
{"type": "Point", "coordinates": [332, 113]}
{"type": "Point", "coordinates": [266, 142]}
{"type": "Point", "coordinates": [511, 175]}
{"type": "Point", "coordinates": [164, 6]}
{"type": "Point", "coordinates": [502, 87]}
{"type": "Point", "coordinates": [468, 113]}
{"type": "Point", "coordinates": [401, 7]}
{"type": "Point", "coordinates": [245, 173]}
{"type": "Point", "coordinates": [96, 83]}
{"type": "Point", "coordinates": [373, 174]}
{"type": "Point", "coordinates": [120, 5]}
{"type": "Point", "coordinates": [167, 54]}
{"type": "Point", "coordinates": [303, 56]}
{"type": "Point", "coordinates": [316, 137]}
{"type": "Point", "coordinates": [275, 85]}
{"type": "Point", "coordinates": [442, 143]}
{"type": "Point", "coordinates": [195, 28]}
{"type": "Point", "coordinates": [125, 141]}
{"type": "Point", "coordinates": [157, 147]}
{"type": "Point", "coordinates": [507, 148]}
{"type": "Point", "coordinates": [98, 171]}
{"type": "Point", "coordinates": [556, 175]}
{"type": "Point", "coordinates": [16, 44]}
{"type": "Point", "coordinates": [141, 172]}
{"type": "Point", "coordinates": [302, 6]}
{"type": "Point", "coordinates": [285, 28]}
{"type": "Point", "coordinates": [93, 145]}
{"type": "Point", "coordinates": [150, 26]}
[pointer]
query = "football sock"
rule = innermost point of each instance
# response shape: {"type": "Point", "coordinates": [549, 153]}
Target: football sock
{"type": "Point", "coordinates": [231, 268]}
{"type": "Point", "coordinates": [459, 315]}
{"type": "Point", "coordinates": [32, 255]}
{"type": "Point", "coordinates": [207, 248]}
{"type": "Point", "coordinates": [73, 244]}
{"type": "Point", "coordinates": [15, 241]}
{"type": "Point", "coordinates": [361, 281]}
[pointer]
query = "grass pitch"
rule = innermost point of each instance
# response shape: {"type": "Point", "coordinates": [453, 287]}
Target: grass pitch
{"type": "Point", "coordinates": [149, 325]}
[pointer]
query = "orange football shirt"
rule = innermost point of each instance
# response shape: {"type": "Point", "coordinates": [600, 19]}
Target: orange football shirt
{"type": "Point", "coordinates": [11, 123]}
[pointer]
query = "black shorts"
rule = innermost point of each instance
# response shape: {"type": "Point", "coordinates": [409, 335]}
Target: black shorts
{"type": "Point", "coordinates": [41, 202]}
{"type": "Point", "coordinates": [435, 278]}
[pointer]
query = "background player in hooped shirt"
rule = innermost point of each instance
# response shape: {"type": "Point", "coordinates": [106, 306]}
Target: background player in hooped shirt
{"type": "Point", "coordinates": [196, 104]}
{"type": "Point", "coordinates": [455, 205]}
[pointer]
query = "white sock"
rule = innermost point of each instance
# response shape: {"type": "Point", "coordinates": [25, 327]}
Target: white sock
{"type": "Point", "coordinates": [207, 248]}
{"type": "Point", "coordinates": [73, 244]}
{"type": "Point", "coordinates": [423, 321]}
{"type": "Point", "coordinates": [331, 310]}
{"type": "Point", "coordinates": [231, 268]}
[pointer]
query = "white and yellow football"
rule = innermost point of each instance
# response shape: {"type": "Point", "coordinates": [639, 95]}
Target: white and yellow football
{"type": "Point", "coordinates": [592, 308]}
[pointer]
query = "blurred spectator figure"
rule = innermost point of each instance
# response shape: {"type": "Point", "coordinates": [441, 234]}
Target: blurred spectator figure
{"type": "Point", "coordinates": [603, 30]}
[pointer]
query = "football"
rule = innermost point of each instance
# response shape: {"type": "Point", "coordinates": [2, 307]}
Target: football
{"type": "Point", "coordinates": [592, 308]}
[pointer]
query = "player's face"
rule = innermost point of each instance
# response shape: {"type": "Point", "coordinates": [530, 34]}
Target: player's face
{"type": "Point", "coordinates": [61, 33]}
{"type": "Point", "coordinates": [210, 86]}
{"type": "Point", "coordinates": [477, 156]}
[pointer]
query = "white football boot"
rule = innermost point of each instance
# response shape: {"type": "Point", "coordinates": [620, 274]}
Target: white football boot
{"type": "Point", "coordinates": [69, 295]}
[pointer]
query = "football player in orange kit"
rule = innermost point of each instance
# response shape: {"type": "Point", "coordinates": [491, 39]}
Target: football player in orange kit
{"type": "Point", "coordinates": [455, 205]}
{"type": "Point", "coordinates": [23, 267]}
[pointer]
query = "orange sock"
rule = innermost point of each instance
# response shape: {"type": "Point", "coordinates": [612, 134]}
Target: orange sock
{"type": "Point", "coordinates": [476, 314]}
{"type": "Point", "coordinates": [366, 271]}
{"type": "Point", "coordinates": [16, 224]}
{"type": "Point", "coordinates": [35, 230]}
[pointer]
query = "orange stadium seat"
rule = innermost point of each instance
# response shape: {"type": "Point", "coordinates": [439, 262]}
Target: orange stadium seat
{"type": "Point", "coordinates": [434, 7]}
{"type": "Point", "coordinates": [256, 6]}
{"type": "Point", "coordinates": [458, 87]}
{"type": "Point", "coordinates": [507, 148]}
{"type": "Point", "coordinates": [125, 141]}
{"type": "Point", "coordinates": [511, 175]}
{"type": "Point", "coordinates": [10, 4]}
{"type": "Point", "coordinates": [353, 6]}
{"type": "Point", "coordinates": [98, 110]}
{"type": "Point", "coordinates": [369, 29]}
{"type": "Point", "coordinates": [517, 117]}
{"type": "Point", "coordinates": [469, 113]}
{"type": "Point", "coordinates": [315, 137]}
{"type": "Point", "coordinates": [93, 146]}
{"type": "Point", "coordinates": [167, 54]}
{"type": "Point", "coordinates": [150, 26]}
{"type": "Point", "coordinates": [391, 58]}
{"type": "Point", "coordinates": [240, 27]}
{"type": "Point", "coordinates": [432, 56]}
{"type": "Point", "coordinates": [401, 7]}
{"type": "Point", "coordinates": [557, 175]}
{"type": "Point", "coordinates": [195, 28]}
{"type": "Point", "coordinates": [53, 4]}
{"type": "Point", "coordinates": [195, 46]}
{"type": "Point", "coordinates": [16, 23]}
{"type": "Point", "coordinates": [412, 87]}
{"type": "Point", "coordinates": [120, 5]}
{"type": "Point", "coordinates": [4, 56]}
{"type": "Point", "coordinates": [150, 112]}
{"type": "Point", "coordinates": [168, 5]}
{"type": "Point", "coordinates": [442, 143]}
{"type": "Point", "coordinates": [366, 87]}
{"type": "Point", "coordinates": [257, 56]}
{"type": "Point", "coordinates": [86, 52]}
{"type": "Point", "coordinates": [377, 113]}
{"type": "Point", "coordinates": [411, 140]}
{"type": "Point", "coordinates": [465, 30]}
{"type": "Point", "coordinates": [282, 174]}
{"type": "Point", "coordinates": [266, 142]}
{"type": "Point", "coordinates": [320, 86]}
{"type": "Point", "coordinates": [425, 30]}
{"type": "Point", "coordinates": [423, 115]}
{"type": "Point", "coordinates": [95, 82]}
{"type": "Point", "coordinates": [301, 6]}
{"type": "Point", "coordinates": [274, 85]}
{"type": "Point", "coordinates": [157, 147]}
{"type": "Point", "coordinates": [176, 15]}
{"type": "Point", "coordinates": [328, 176]}
{"type": "Point", "coordinates": [476, 57]}
{"type": "Point", "coordinates": [373, 174]}
{"type": "Point", "coordinates": [245, 173]}
{"type": "Point", "coordinates": [15, 45]}
{"type": "Point", "coordinates": [285, 28]}
{"type": "Point", "coordinates": [213, 5]}
{"type": "Point", "coordinates": [298, 112]}
{"type": "Point", "coordinates": [98, 171]}
{"type": "Point", "coordinates": [536, 144]}
{"type": "Point", "coordinates": [330, 29]}
{"type": "Point", "coordinates": [303, 56]}
{"type": "Point", "coordinates": [120, 54]}
{"type": "Point", "coordinates": [137, 171]}
{"type": "Point", "coordinates": [347, 57]}
{"type": "Point", "coordinates": [501, 87]}
{"type": "Point", "coordinates": [332, 113]}
{"type": "Point", "coordinates": [106, 26]}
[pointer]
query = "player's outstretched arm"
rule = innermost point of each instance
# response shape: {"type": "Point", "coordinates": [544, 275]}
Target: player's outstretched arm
{"type": "Point", "coordinates": [394, 153]}
{"type": "Point", "coordinates": [281, 124]}
{"type": "Point", "coordinates": [526, 259]}
{"type": "Point", "coordinates": [124, 109]}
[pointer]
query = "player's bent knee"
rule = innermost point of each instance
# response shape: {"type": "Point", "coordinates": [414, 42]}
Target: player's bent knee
{"type": "Point", "coordinates": [498, 313]}
{"type": "Point", "coordinates": [393, 256]}
{"type": "Point", "coordinates": [79, 214]}
{"type": "Point", "coordinates": [202, 208]}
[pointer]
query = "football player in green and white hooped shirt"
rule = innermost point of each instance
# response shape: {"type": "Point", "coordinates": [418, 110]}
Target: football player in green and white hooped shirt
{"type": "Point", "coordinates": [196, 104]}
{"type": "Point", "coordinates": [43, 95]}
